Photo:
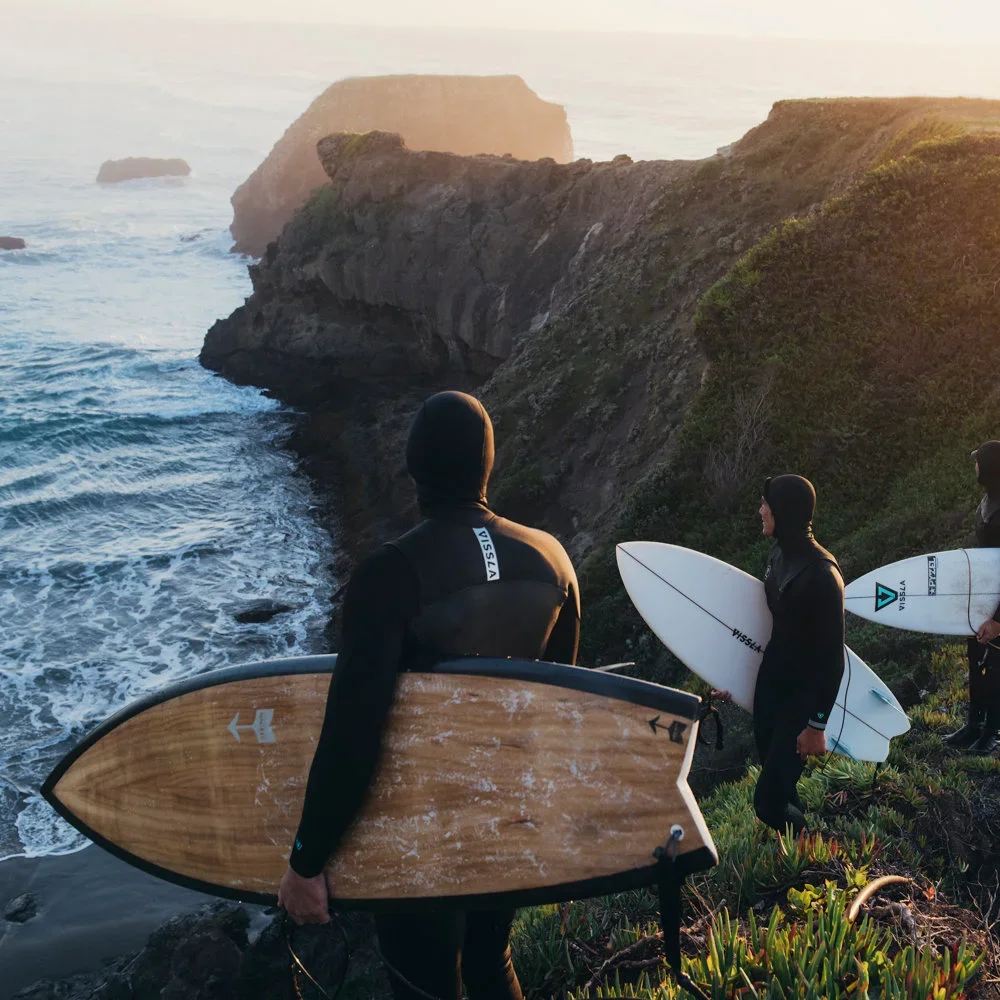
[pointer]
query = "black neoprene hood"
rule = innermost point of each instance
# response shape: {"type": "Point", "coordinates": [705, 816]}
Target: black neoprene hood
{"type": "Point", "coordinates": [449, 453]}
{"type": "Point", "coordinates": [988, 457]}
{"type": "Point", "coordinates": [792, 500]}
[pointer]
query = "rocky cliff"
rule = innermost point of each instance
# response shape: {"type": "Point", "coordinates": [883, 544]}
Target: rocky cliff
{"type": "Point", "coordinates": [564, 294]}
{"type": "Point", "coordinates": [457, 114]}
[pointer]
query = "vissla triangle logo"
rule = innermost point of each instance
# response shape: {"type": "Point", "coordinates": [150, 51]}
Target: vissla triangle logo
{"type": "Point", "coordinates": [884, 596]}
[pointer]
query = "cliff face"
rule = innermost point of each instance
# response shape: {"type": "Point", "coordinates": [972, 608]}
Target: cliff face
{"type": "Point", "coordinates": [565, 295]}
{"type": "Point", "coordinates": [458, 114]}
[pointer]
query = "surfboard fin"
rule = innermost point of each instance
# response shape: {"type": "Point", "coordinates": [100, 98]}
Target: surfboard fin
{"type": "Point", "coordinates": [842, 747]}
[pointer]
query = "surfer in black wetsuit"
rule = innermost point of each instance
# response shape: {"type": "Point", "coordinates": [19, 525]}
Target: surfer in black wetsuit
{"type": "Point", "coordinates": [980, 733]}
{"type": "Point", "coordinates": [803, 662]}
{"type": "Point", "coordinates": [463, 582]}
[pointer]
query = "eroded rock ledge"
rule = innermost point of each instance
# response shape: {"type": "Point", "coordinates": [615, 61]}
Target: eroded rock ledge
{"type": "Point", "coordinates": [454, 114]}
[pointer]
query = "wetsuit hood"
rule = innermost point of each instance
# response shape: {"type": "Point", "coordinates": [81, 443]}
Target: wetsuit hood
{"type": "Point", "coordinates": [449, 453]}
{"type": "Point", "coordinates": [988, 457]}
{"type": "Point", "coordinates": [792, 500]}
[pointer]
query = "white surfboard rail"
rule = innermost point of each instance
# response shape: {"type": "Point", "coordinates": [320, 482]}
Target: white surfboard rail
{"type": "Point", "coordinates": [944, 593]}
{"type": "Point", "coordinates": [714, 618]}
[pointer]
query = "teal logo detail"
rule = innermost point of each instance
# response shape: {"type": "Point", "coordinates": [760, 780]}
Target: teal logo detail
{"type": "Point", "coordinates": [884, 596]}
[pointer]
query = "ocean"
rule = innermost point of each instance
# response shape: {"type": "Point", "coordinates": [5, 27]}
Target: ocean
{"type": "Point", "coordinates": [142, 500]}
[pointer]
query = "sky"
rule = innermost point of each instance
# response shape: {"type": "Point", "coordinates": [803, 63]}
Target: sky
{"type": "Point", "coordinates": [896, 20]}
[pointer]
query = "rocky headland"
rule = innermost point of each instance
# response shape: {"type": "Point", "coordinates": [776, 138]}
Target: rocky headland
{"type": "Point", "coordinates": [138, 167]}
{"type": "Point", "coordinates": [12, 243]}
{"type": "Point", "coordinates": [457, 114]}
{"type": "Point", "coordinates": [565, 294]}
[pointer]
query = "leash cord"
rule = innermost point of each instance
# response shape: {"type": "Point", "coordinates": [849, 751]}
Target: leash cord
{"type": "Point", "coordinates": [296, 964]}
{"type": "Point", "coordinates": [406, 982]}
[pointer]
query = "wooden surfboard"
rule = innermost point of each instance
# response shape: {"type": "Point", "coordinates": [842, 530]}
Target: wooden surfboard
{"type": "Point", "coordinates": [501, 782]}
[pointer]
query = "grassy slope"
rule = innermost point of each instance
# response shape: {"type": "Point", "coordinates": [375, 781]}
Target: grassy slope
{"type": "Point", "coordinates": [859, 346]}
{"type": "Point", "coordinates": [927, 815]}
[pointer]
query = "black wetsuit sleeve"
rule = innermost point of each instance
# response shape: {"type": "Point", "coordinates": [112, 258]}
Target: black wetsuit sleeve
{"type": "Point", "coordinates": [991, 540]}
{"type": "Point", "coordinates": [381, 598]}
{"type": "Point", "coordinates": [821, 603]}
{"type": "Point", "coordinates": [564, 640]}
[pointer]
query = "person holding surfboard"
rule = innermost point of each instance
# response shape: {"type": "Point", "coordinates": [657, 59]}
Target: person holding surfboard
{"type": "Point", "coordinates": [803, 663]}
{"type": "Point", "coordinates": [981, 733]}
{"type": "Point", "coordinates": [464, 582]}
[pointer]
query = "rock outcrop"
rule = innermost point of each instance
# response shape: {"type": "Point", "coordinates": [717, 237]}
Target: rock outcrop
{"type": "Point", "coordinates": [211, 954]}
{"type": "Point", "coordinates": [565, 295]}
{"type": "Point", "coordinates": [136, 167]}
{"type": "Point", "coordinates": [11, 243]}
{"type": "Point", "coordinates": [456, 114]}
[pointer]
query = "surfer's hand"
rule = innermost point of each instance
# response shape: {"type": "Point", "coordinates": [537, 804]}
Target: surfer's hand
{"type": "Point", "coordinates": [988, 631]}
{"type": "Point", "coordinates": [306, 899]}
{"type": "Point", "coordinates": [811, 743]}
{"type": "Point", "coordinates": [720, 695]}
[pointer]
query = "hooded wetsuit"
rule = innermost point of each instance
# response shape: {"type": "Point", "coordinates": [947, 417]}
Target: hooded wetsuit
{"type": "Point", "coordinates": [984, 661]}
{"type": "Point", "coordinates": [803, 663]}
{"type": "Point", "coordinates": [464, 582]}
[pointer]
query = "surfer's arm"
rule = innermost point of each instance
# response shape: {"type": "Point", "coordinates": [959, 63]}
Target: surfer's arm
{"type": "Point", "coordinates": [381, 597]}
{"type": "Point", "coordinates": [823, 603]}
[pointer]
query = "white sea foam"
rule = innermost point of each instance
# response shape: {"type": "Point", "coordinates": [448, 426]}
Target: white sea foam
{"type": "Point", "coordinates": [142, 499]}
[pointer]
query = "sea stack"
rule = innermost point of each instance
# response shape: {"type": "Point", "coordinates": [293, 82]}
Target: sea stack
{"type": "Point", "coordinates": [135, 167]}
{"type": "Point", "coordinates": [499, 115]}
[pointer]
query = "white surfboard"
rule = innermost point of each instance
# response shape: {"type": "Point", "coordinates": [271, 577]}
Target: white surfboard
{"type": "Point", "coordinates": [947, 593]}
{"type": "Point", "coordinates": [714, 618]}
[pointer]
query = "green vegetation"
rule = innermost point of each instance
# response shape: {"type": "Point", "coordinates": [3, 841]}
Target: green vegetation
{"type": "Point", "coordinates": [772, 920]}
{"type": "Point", "coordinates": [315, 224]}
{"type": "Point", "coordinates": [857, 347]}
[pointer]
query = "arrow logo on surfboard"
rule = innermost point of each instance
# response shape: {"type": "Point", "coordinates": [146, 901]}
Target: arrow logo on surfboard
{"type": "Point", "coordinates": [675, 729]}
{"type": "Point", "coordinates": [884, 596]}
{"type": "Point", "coordinates": [261, 726]}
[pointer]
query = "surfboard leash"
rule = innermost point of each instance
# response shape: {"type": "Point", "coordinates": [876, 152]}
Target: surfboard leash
{"type": "Point", "coordinates": [297, 966]}
{"type": "Point", "coordinates": [670, 885]}
{"type": "Point", "coordinates": [710, 710]}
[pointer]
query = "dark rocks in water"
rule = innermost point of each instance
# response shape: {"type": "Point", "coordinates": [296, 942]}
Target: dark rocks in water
{"type": "Point", "coordinates": [81, 987]}
{"type": "Point", "coordinates": [208, 955]}
{"type": "Point", "coordinates": [258, 612]}
{"type": "Point", "coordinates": [192, 956]}
{"type": "Point", "coordinates": [12, 243]}
{"type": "Point", "coordinates": [135, 167]}
{"type": "Point", "coordinates": [21, 908]}
{"type": "Point", "coordinates": [467, 115]}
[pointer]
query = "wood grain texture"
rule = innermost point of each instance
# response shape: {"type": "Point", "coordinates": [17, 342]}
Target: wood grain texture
{"type": "Point", "coordinates": [486, 785]}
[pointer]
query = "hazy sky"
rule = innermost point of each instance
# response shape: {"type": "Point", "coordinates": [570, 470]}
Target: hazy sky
{"type": "Point", "coordinates": [905, 20]}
